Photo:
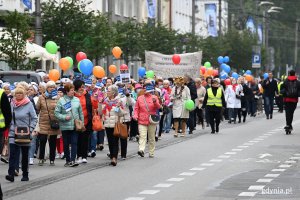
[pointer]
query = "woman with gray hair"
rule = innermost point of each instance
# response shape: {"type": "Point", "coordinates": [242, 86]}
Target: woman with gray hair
{"type": "Point", "coordinates": [112, 109]}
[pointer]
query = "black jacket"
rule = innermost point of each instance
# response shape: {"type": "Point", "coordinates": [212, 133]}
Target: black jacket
{"type": "Point", "coordinates": [6, 110]}
{"type": "Point", "coordinates": [270, 88]}
{"type": "Point", "coordinates": [90, 111]}
{"type": "Point", "coordinates": [193, 90]}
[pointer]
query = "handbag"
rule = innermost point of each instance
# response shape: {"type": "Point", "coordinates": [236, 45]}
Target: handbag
{"type": "Point", "coordinates": [166, 109]}
{"type": "Point", "coordinates": [22, 133]}
{"type": "Point", "coordinates": [120, 130]}
{"type": "Point", "coordinates": [153, 118]}
{"type": "Point", "coordinates": [79, 125]}
{"type": "Point", "coordinates": [54, 124]}
{"type": "Point", "coordinates": [97, 122]}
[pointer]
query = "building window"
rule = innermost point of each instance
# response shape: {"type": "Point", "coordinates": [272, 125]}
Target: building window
{"type": "Point", "coordinates": [118, 7]}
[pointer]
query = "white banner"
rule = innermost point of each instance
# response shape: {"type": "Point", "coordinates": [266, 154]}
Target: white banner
{"type": "Point", "coordinates": [163, 66]}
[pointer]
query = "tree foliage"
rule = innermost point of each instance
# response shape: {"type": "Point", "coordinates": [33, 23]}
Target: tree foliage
{"type": "Point", "coordinates": [13, 40]}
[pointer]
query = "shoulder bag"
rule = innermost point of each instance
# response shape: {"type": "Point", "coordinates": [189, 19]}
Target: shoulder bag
{"type": "Point", "coordinates": [79, 125]}
{"type": "Point", "coordinates": [153, 119]}
{"type": "Point", "coordinates": [22, 133]}
{"type": "Point", "coordinates": [97, 122]}
{"type": "Point", "coordinates": [120, 130]}
{"type": "Point", "coordinates": [54, 124]}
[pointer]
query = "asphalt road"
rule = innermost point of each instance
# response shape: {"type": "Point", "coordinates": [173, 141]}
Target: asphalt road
{"type": "Point", "coordinates": [255, 160]}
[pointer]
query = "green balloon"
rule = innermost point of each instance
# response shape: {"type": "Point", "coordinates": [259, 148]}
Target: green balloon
{"type": "Point", "coordinates": [207, 64]}
{"type": "Point", "coordinates": [70, 60]}
{"type": "Point", "coordinates": [189, 105]}
{"type": "Point", "coordinates": [78, 66]}
{"type": "Point", "coordinates": [150, 74]}
{"type": "Point", "coordinates": [51, 47]}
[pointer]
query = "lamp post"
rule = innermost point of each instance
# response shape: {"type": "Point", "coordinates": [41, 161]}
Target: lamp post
{"type": "Point", "coordinates": [296, 42]}
{"type": "Point", "coordinates": [38, 26]}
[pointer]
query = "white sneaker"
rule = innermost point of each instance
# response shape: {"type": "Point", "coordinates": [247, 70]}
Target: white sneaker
{"type": "Point", "coordinates": [84, 160]}
{"type": "Point", "coordinates": [31, 161]}
{"type": "Point", "coordinates": [79, 161]}
{"type": "Point", "coordinates": [57, 156]}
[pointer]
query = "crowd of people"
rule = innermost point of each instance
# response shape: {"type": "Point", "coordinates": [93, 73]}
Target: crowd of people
{"type": "Point", "coordinates": [74, 117]}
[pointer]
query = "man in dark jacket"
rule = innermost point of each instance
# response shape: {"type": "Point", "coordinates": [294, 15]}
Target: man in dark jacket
{"type": "Point", "coordinates": [290, 90]}
{"type": "Point", "coordinates": [191, 123]}
{"type": "Point", "coordinates": [6, 114]}
{"type": "Point", "coordinates": [270, 90]}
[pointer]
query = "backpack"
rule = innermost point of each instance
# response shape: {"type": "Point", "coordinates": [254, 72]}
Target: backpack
{"type": "Point", "coordinates": [292, 89]}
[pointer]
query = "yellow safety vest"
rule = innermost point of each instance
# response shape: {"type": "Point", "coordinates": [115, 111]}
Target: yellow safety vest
{"type": "Point", "coordinates": [2, 120]}
{"type": "Point", "coordinates": [214, 100]}
{"type": "Point", "coordinates": [279, 86]}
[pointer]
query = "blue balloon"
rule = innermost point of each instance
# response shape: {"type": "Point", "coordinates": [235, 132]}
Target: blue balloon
{"type": "Point", "coordinates": [86, 67]}
{"type": "Point", "coordinates": [220, 59]}
{"type": "Point", "coordinates": [142, 71]}
{"type": "Point", "coordinates": [227, 69]}
{"type": "Point", "coordinates": [266, 75]}
{"type": "Point", "coordinates": [223, 75]}
{"type": "Point", "coordinates": [234, 75]}
{"type": "Point", "coordinates": [226, 59]}
{"type": "Point", "coordinates": [223, 66]}
{"type": "Point", "coordinates": [248, 72]}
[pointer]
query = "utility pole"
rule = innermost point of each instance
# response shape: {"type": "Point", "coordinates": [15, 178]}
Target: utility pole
{"type": "Point", "coordinates": [193, 16]}
{"type": "Point", "coordinates": [158, 11]}
{"type": "Point", "coordinates": [38, 26]}
{"type": "Point", "coordinates": [220, 17]}
{"type": "Point", "coordinates": [111, 6]}
{"type": "Point", "coordinates": [267, 46]}
{"type": "Point", "coordinates": [296, 42]}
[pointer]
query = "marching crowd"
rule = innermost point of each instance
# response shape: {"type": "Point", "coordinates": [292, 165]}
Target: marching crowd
{"type": "Point", "coordinates": [73, 117]}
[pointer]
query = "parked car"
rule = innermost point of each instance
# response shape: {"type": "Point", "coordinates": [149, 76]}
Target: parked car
{"type": "Point", "coordinates": [17, 76]}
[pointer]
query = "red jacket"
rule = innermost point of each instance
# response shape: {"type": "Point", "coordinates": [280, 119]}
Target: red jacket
{"type": "Point", "coordinates": [140, 111]}
{"type": "Point", "coordinates": [289, 99]}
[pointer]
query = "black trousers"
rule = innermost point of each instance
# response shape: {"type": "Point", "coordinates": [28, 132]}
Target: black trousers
{"type": "Point", "coordinates": [52, 145]}
{"type": "Point", "coordinates": [133, 128]}
{"type": "Point", "coordinates": [83, 144]}
{"type": "Point", "coordinates": [1, 141]}
{"type": "Point", "coordinates": [14, 157]}
{"type": "Point", "coordinates": [290, 108]}
{"type": "Point", "coordinates": [191, 121]}
{"type": "Point", "coordinates": [113, 142]}
{"type": "Point", "coordinates": [161, 124]}
{"type": "Point", "coordinates": [214, 119]}
{"type": "Point", "coordinates": [199, 113]}
{"type": "Point", "coordinates": [1, 194]}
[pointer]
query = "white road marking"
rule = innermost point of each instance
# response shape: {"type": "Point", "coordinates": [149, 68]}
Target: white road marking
{"type": "Point", "coordinates": [150, 192]}
{"type": "Point", "coordinates": [268, 134]}
{"type": "Point", "coordinates": [135, 198]}
{"type": "Point", "coordinates": [272, 132]}
{"type": "Point", "coordinates": [253, 141]}
{"type": "Point", "coordinates": [278, 170]}
{"type": "Point", "coordinates": [272, 175]}
{"type": "Point", "coordinates": [198, 169]}
{"type": "Point", "coordinates": [247, 194]}
{"type": "Point", "coordinates": [187, 174]}
{"type": "Point", "coordinates": [297, 154]}
{"type": "Point", "coordinates": [207, 164]}
{"type": "Point", "coordinates": [243, 146]}
{"type": "Point", "coordinates": [256, 187]}
{"type": "Point", "coordinates": [216, 160]}
{"type": "Point", "coordinates": [284, 166]}
{"type": "Point", "coordinates": [290, 161]}
{"type": "Point", "coordinates": [236, 149]}
{"type": "Point", "coordinates": [295, 158]}
{"type": "Point", "coordinates": [230, 153]}
{"type": "Point", "coordinates": [263, 136]}
{"type": "Point", "coordinates": [175, 179]}
{"type": "Point", "coordinates": [264, 180]}
{"type": "Point", "coordinates": [259, 139]}
{"type": "Point", "coordinates": [224, 156]}
{"type": "Point", "coordinates": [248, 143]}
{"type": "Point", "coordinates": [163, 185]}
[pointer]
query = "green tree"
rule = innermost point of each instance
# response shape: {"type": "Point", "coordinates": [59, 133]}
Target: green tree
{"type": "Point", "coordinates": [67, 23]}
{"type": "Point", "coordinates": [13, 40]}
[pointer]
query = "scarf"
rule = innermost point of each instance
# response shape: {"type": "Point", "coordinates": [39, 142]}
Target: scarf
{"type": "Point", "coordinates": [23, 102]}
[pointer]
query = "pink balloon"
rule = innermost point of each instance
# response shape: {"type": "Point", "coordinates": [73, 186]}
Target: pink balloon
{"type": "Point", "coordinates": [227, 82]}
{"type": "Point", "coordinates": [203, 69]}
{"type": "Point", "coordinates": [215, 72]}
{"type": "Point", "coordinates": [123, 67]}
{"type": "Point", "coordinates": [80, 56]}
{"type": "Point", "coordinates": [176, 59]}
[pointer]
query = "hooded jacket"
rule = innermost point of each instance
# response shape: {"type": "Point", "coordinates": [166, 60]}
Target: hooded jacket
{"type": "Point", "coordinates": [284, 85]}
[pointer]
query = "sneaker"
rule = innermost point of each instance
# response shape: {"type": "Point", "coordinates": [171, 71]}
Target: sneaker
{"type": "Point", "coordinates": [67, 164]}
{"type": "Point", "coordinates": [4, 160]}
{"type": "Point", "coordinates": [25, 178]}
{"type": "Point", "coordinates": [52, 163]}
{"type": "Point", "coordinates": [31, 161]}
{"type": "Point", "coordinates": [57, 156]}
{"type": "Point", "coordinates": [167, 131]}
{"type": "Point", "coordinates": [84, 160]}
{"type": "Point", "coordinates": [123, 158]}
{"type": "Point", "coordinates": [151, 156]}
{"type": "Point", "coordinates": [141, 153]}
{"type": "Point", "coordinates": [79, 160]}
{"type": "Point", "coordinates": [41, 162]}
{"type": "Point", "coordinates": [16, 173]}
{"type": "Point", "coordinates": [93, 154]}
{"type": "Point", "coordinates": [10, 178]}
{"type": "Point", "coordinates": [101, 147]}
{"type": "Point", "coordinates": [89, 155]}
{"type": "Point", "coordinates": [73, 164]}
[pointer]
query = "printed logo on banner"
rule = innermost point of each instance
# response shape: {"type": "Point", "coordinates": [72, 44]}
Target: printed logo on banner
{"type": "Point", "coordinates": [54, 94]}
{"type": "Point", "coordinates": [68, 106]}
{"type": "Point", "coordinates": [88, 82]}
{"type": "Point", "coordinates": [117, 78]}
{"type": "Point", "coordinates": [12, 87]}
{"type": "Point", "coordinates": [99, 85]}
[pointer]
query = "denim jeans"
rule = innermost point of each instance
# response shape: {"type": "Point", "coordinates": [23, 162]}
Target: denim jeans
{"type": "Point", "coordinates": [231, 114]}
{"type": "Point", "coordinates": [97, 137]}
{"type": "Point", "coordinates": [32, 146]}
{"type": "Point", "coordinates": [14, 156]}
{"type": "Point", "coordinates": [70, 137]}
{"type": "Point", "coordinates": [167, 121]}
{"type": "Point", "coordinates": [252, 106]}
{"type": "Point", "coordinates": [269, 105]}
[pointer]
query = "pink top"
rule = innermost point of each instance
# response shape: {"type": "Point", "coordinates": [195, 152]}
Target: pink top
{"type": "Point", "coordinates": [140, 110]}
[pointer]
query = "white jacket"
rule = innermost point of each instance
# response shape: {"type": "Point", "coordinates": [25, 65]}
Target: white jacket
{"type": "Point", "coordinates": [230, 97]}
{"type": "Point", "coordinates": [127, 101]}
{"type": "Point", "coordinates": [238, 91]}
{"type": "Point", "coordinates": [200, 96]}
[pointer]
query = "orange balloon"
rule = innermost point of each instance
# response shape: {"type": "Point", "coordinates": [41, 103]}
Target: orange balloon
{"type": "Point", "coordinates": [249, 78]}
{"type": "Point", "coordinates": [116, 51]}
{"type": "Point", "coordinates": [64, 64]}
{"type": "Point", "coordinates": [112, 69]}
{"type": "Point", "coordinates": [99, 72]}
{"type": "Point", "coordinates": [54, 75]}
{"type": "Point", "coordinates": [210, 71]}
